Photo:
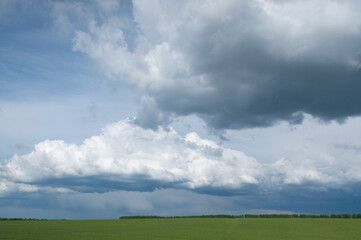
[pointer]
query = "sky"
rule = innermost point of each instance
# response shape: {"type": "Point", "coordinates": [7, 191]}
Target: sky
{"type": "Point", "coordinates": [116, 107]}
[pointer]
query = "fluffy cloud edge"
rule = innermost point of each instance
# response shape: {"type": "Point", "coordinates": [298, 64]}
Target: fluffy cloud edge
{"type": "Point", "coordinates": [126, 156]}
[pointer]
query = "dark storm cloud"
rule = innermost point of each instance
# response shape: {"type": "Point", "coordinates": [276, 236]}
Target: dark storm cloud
{"type": "Point", "coordinates": [263, 61]}
{"type": "Point", "coordinates": [327, 91]}
{"type": "Point", "coordinates": [108, 183]}
{"type": "Point", "coordinates": [236, 64]}
{"type": "Point", "coordinates": [174, 202]}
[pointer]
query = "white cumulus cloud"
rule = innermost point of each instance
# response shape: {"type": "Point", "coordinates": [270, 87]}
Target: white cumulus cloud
{"type": "Point", "coordinates": [127, 156]}
{"type": "Point", "coordinates": [125, 151]}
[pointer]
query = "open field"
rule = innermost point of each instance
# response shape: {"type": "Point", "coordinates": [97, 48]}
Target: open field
{"type": "Point", "coordinates": [184, 228]}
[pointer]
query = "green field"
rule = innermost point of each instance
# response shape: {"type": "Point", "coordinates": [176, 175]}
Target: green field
{"type": "Point", "coordinates": [184, 228]}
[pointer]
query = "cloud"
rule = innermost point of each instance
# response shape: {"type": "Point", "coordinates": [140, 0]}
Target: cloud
{"type": "Point", "coordinates": [234, 64]}
{"type": "Point", "coordinates": [108, 5]}
{"type": "Point", "coordinates": [128, 157]}
{"type": "Point", "coordinates": [75, 205]}
{"type": "Point", "coordinates": [149, 115]}
{"type": "Point", "coordinates": [237, 64]}
{"type": "Point", "coordinates": [71, 15]}
{"type": "Point", "coordinates": [169, 202]}
{"type": "Point", "coordinates": [13, 188]}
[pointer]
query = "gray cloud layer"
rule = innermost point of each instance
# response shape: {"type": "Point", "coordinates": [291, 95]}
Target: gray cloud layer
{"type": "Point", "coordinates": [238, 64]}
{"type": "Point", "coordinates": [170, 202]}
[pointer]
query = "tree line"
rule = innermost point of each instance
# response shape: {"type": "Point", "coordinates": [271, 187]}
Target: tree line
{"type": "Point", "coordinates": [22, 219]}
{"type": "Point", "coordinates": [345, 215]}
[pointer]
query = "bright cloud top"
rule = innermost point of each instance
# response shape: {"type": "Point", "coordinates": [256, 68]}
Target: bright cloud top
{"type": "Point", "coordinates": [127, 155]}
{"type": "Point", "coordinates": [126, 152]}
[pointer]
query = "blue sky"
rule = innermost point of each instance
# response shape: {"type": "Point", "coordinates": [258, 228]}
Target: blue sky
{"type": "Point", "coordinates": [111, 108]}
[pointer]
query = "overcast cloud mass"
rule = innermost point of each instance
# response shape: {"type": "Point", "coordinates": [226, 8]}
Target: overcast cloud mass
{"type": "Point", "coordinates": [112, 108]}
{"type": "Point", "coordinates": [238, 64]}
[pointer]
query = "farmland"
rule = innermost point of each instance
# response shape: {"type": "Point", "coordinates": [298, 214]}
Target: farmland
{"type": "Point", "coordinates": [184, 228]}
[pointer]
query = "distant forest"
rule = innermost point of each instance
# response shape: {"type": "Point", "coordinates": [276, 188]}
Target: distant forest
{"type": "Point", "coordinates": [346, 215]}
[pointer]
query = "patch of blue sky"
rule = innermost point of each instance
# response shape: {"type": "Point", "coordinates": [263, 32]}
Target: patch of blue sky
{"type": "Point", "coordinates": [41, 68]}
{"type": "Point", "coordinates": [47, 91]}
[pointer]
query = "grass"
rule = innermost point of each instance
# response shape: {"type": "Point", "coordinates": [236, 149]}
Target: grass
{"type": "Point", "coordinates": [184, 228]}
